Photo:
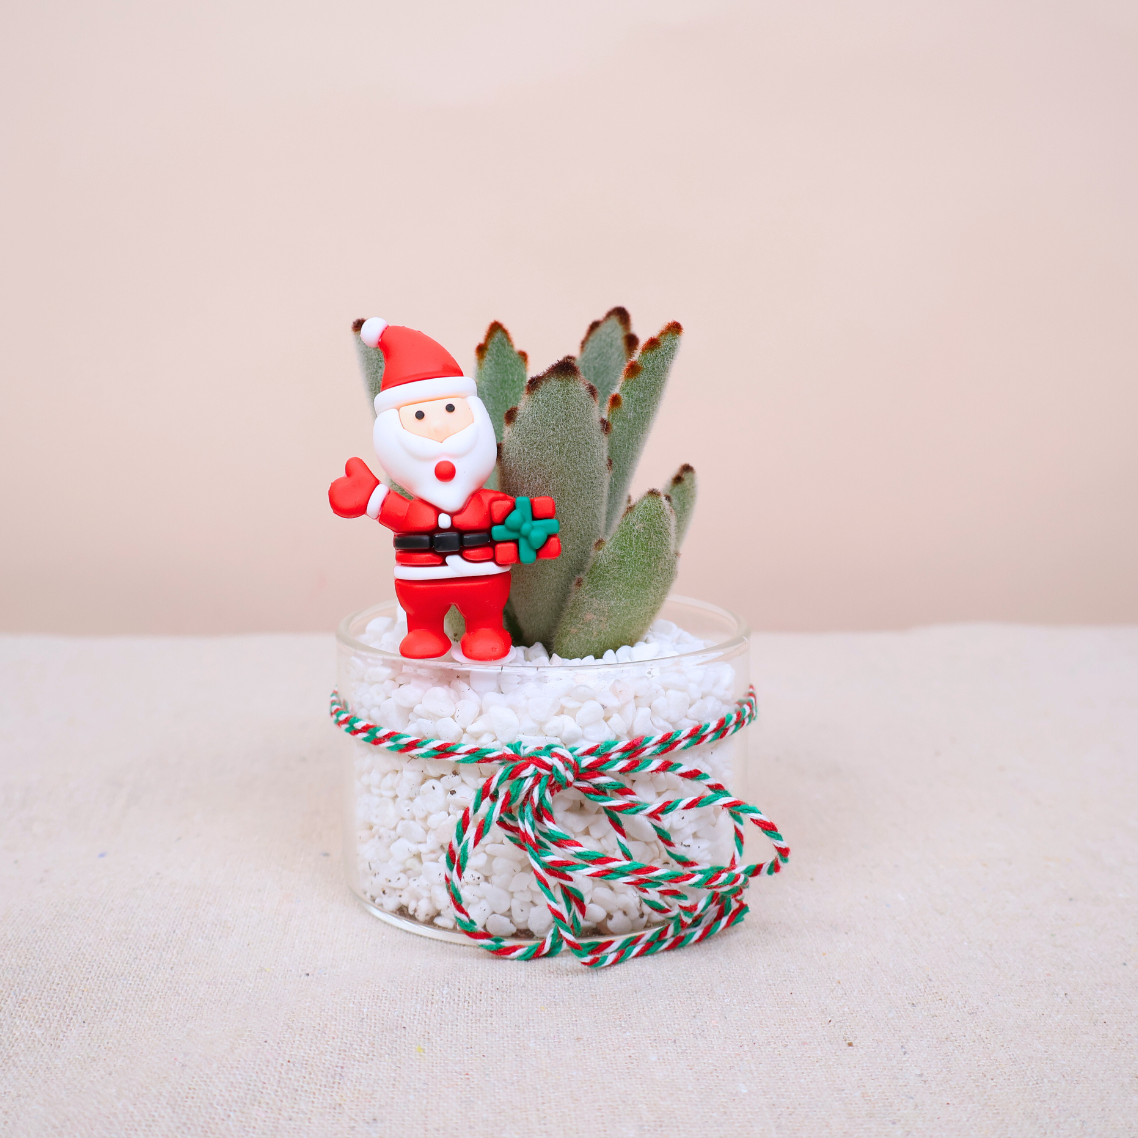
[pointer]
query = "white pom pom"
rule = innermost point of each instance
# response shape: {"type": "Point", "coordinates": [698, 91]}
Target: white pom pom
{"type": "Point", "coordinates": [371, 330]}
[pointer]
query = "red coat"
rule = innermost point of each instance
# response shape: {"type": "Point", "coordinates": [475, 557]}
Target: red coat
{"type": "Point", "coordinates": [483, 509]}
{"type": "Point", "coordinates": [349, 497]}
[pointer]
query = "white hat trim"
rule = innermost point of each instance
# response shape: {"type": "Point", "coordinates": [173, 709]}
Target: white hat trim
{"type": "Point", "coordinates": [423, 390]}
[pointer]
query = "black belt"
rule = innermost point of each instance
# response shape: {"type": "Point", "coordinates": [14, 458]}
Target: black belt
{"type": "Point", "coordinates": [444, 541]}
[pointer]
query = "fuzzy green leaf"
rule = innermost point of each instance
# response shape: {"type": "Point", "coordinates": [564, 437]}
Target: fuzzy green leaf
{"type": "Point", "coordinates": [607, 347]}
{"type": "Point", "coordinates": [501, 375]}
{"type": "Point", "coordinates": [619, 595]}
{"type": "Point", "coordinates": [682, 491]}
{"type": "Point", "coordinates": [631, 410]}
{"type": "Point", "coordinates": [510, 623]}
{"type": "Point", "coordinates": [454, 623]}
{"type": "Point", "coordinates": [371, 364]}
{"type": "Point", "coordinates": [555, 445]}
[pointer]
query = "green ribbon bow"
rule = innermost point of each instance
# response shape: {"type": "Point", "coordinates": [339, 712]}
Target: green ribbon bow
{"type": "Point", "coordinates": [529, 534]}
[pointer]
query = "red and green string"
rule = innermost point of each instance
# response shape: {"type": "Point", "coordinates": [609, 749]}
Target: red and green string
{"type": "Point", "coordinates": [519, 795]}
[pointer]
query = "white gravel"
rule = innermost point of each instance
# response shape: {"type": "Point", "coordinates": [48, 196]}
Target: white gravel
{"type": "Point", "coordinates": [406, 809]}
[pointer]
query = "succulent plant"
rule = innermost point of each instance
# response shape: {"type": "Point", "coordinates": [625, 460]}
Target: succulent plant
{"type": "Point", "coordinates": [576, 432]}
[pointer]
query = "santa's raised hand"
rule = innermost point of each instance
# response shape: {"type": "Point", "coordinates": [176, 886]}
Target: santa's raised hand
{"type": "Point", "coordinates": [351, 495]}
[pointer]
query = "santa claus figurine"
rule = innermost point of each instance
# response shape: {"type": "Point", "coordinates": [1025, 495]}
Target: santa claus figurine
{"type": "Point", "coordinates": [454, 540]}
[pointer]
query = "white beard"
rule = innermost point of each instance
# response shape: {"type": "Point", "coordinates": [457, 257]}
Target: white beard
{"type": "Point", "coordinates": [410, 459]}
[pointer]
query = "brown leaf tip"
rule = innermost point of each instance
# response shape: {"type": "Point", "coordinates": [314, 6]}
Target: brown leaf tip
{"type": "Point", "coordinates": [565, 368]}
{"type": "Point", "coordinates": [509, 417]}
{"type": "Point", "coordinates": [598, 545]}
{"type": "Point", "coordinates": [615, 402]}
{"type": "Point", "coordinates": [683, 472]}
{"type": "Point", "coordinates": [631, 341]}
{"type": "Point", "coordinates": [606, 427]}
{"type": "Point", "coordinates": [357, 325]}
{"type": "Point", "coordinates": [675, 328]}
{"type": "Point", "coordinates": [496, 328]}
{"type": "Point", "coordinates": [620, 315]}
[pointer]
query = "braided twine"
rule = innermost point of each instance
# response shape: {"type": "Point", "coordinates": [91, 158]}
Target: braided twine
{"type": "Point", "coordinates": [519, 795]}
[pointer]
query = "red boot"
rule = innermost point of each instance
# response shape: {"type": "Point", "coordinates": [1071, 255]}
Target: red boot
{"type": "Point", "coordinates": [426, 604]}
{"type": "Point", "coordinates": [481, 601]}
{"type": "Point", "coordinates": [424, 644]}
{"type": "Point", "coordinates": [486, 644]}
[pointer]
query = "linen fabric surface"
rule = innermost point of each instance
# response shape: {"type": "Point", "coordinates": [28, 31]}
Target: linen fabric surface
{"type": "Point", "coordinates": [951, 949]}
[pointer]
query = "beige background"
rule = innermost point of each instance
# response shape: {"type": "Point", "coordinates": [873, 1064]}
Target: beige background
{"type": "Point", "coordinates": [901, 237]}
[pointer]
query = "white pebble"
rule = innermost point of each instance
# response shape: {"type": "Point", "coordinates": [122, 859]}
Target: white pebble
{"type": "Point", "coordinates": [590, 712]}
{"type": "Point", "coordinates": [505, 723]}
{"type": "Point", "coordinates": [497, 925]}
{"type": "Point", "coordinates": [438, 702]}
{"type": "Point", "coordinates": [409, 695]}
{"type": "Point", "coordinates": [569, 732]}
{"type": "Point", "coordinates": [603, 895]}
{"type": "Point", "coordinates": [447, 730]}
{"type": "Point", "coordinates": [498, 899]}
{"type": "Point", "coordinates": [540, 920]}
{"type": "Point", "coordinates": [542, 708]}
{"type": "Point", "coordinates": [598, 732]}
{"type": "Point", "coordinates": [466, 711]}
{"type": "Point", "coordinates": [619, 924]}
{"type": "Point", "coordinates": [642, 724]}
{"type": "Point", "coordinates": [412, 831]}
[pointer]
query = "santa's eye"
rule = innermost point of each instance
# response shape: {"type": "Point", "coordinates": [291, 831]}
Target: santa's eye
{"type": "Point", "coordinates": [450, 406]}
{"type": "Point", "coordinates": [420, 414]}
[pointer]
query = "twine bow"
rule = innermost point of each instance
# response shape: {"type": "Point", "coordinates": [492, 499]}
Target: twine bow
{"type": "Point", "coordinates": [519, 796]}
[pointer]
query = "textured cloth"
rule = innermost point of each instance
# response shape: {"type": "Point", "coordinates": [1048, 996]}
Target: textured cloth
{"type": "Point", "coordinates": [951, 950]}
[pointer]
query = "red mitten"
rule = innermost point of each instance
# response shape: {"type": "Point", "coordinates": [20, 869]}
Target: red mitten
{"type": "Point", "coordinates": [349, 495]}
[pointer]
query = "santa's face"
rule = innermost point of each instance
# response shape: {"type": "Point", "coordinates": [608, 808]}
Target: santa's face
{"type": "Point", "coordinates": [441, 450]}
{"type": "Point", "coordinates": [436, 419]}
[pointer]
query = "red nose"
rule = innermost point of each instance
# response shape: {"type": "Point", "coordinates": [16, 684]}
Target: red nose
{"type": "Point", "coordinates": [444, 471]}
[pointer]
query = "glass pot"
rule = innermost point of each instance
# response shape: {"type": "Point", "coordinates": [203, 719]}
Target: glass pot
{"type": "Point", "coordinates": [400, 813]}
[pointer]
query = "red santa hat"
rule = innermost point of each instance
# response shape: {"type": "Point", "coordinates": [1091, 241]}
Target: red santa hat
{"type": "Point", "coordinates": [415, 367]}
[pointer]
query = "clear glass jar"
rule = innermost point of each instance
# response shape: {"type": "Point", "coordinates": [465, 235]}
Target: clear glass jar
{"type": "Point", "coordinates": [399, 813]}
